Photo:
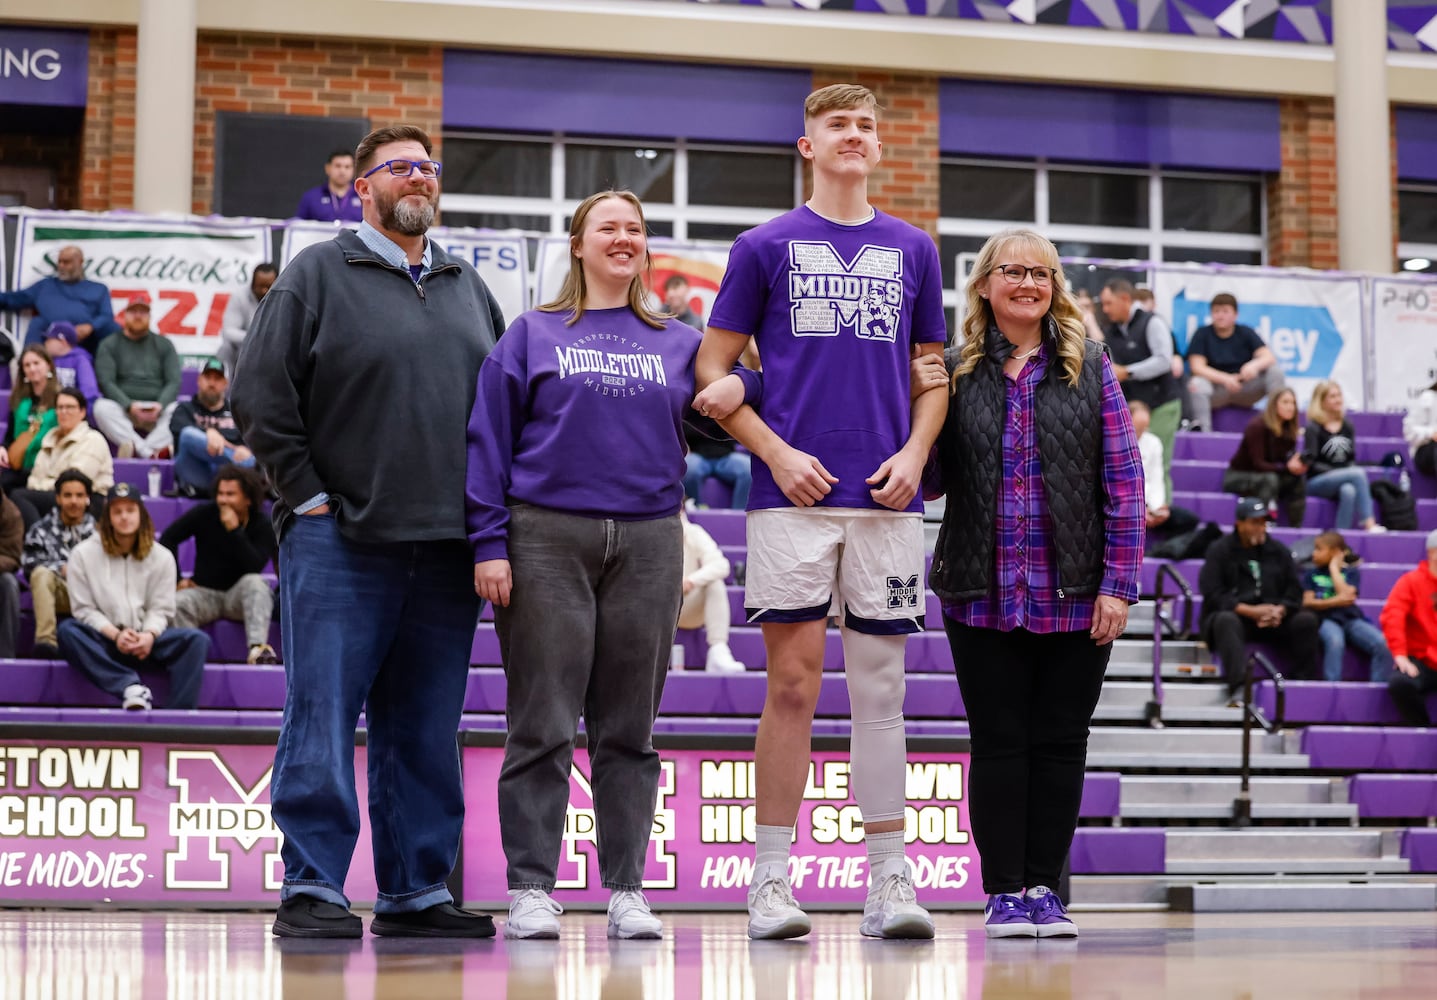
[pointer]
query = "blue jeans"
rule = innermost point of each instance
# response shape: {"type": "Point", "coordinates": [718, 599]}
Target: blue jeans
{"type": "Point", "coordinates": [180, 651]}
{"type": "Point", "coordinates": [195, 466]}
{"type": "Point", "coordinates": [733, 470]}
{"type": "Point", "coordinates": [391, 624]}
{"type": "Point", "coordinates": [1348, 486]}
{"type": "Point", "coordinates": [1364, 636]}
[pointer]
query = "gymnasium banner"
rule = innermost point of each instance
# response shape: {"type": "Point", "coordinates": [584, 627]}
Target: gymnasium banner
{"type": "Point", "coordinates": [1313, 322]}
{"type": "Point", "coordinates": [701, 264]}
{"type": "Point", "coordinates": [1404, 331]}
{"type": "Point", "coordinates": [188, 268]}
{"type": "Point", "coordinates": [701, 851]}
{"type": "Point", "coordinates": [134, 823]}
{"type": "Point", "coordinates": [501, 261]}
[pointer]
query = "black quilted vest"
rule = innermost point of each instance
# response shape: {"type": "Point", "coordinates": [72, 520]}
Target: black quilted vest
{"type": "Point", "coordinates": [1070, 452]}
{"type": "Point", "coordinates": [1130, 348]}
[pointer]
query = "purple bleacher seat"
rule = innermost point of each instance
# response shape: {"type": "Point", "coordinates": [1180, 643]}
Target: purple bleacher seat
{"type": "Point", "coordinates": [1193, 476]}
{"type": "Point", "coordinates": [1393, 796]}
{"type": "Point", "coordinates": [726, 526]}
{"type": "Point", "coordinates": [189, 380]}
{"type": "Point", "coordinates": [1102, 851]}
{"type": "Point", "coordinates": [1372, 748]}
{"type": "Point", "coordinates": [1102, 794]}
{"type": "Point", "coordinates": [1357, 702]}
{"type": "Point", "coordinates": [1366, 423]}
{"type": "Point", "coordinates": [136, 472]}
{"type": "Point", "coordinates": [1419, 847]}
{"type": "Point", "coordinates": [715, 494]}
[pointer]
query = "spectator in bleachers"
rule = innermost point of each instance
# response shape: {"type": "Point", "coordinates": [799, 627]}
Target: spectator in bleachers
{"type": "Point", "coordinates": [1409, 623]}
{"type": "Point", "coordinates": [71, 444]}
{"type": "Point", "coordinates": [678, 297]}
{"type": "Point", "coordinates": [1330, 585]}
{"type": "Point", "coordinates": [239, 313]}
{"type": "Point", "coordinates": [122, 592]}
{"type": "Point", "coordinates": [1419, 427]}
{"type": "Point", "coordinates": [705, 602]}
{"type": "Point", "coordinates": [1088, 308]}
{"type": "Point", "coordinates": [233, 543]}
{"type": "Point", "coordinates": [1031, 660]}
{"type": "Point", "coordinates": [1140, 344]}
{"type": "Point", "coordinates": [336, 200]}
{"type": "Point", "coordinates": [74, 368]}
{"type": "Point", "coordinates": [1267, 463]}
{"type": "Point", "coordinates": [206, 436]}
{"type": "Point", "coordinates": [573, 512]}
{"type": "Point", "coordinates": [712, 454]}
{"type": "Point", "coordinates": [1231, 366]}
{"type": "Point", "coordinates": [1251, 592]}
{"type": "Point", "coordinates": [1163, 519]}
{"type": "Point", "coordinates": [32, 416]}
{"type": "Point", "coordinates": [377, 584]}
{"type": "Point", "coordinates": [139, 373]}
{"type": "Point", "coordinates": [66, 295]}
{"type": "Point", "coordinates": [1329, 447]}
{"type": "Point", "coordinates": [48, 543]}
{"type": "Point", "coordinates": [12, 541]}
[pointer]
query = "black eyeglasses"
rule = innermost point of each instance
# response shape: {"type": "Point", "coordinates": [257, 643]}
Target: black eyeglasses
{"type": "Point", "coordinates": [1015, 273]}
{"type": "Point", "coordinates": [403, 168]}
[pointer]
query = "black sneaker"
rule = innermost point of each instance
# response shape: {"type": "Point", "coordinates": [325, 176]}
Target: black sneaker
{"type": "Point", "coordinates": [444, 920]}
{"type": "Point", "coordinates": [308, 917]}
{"type": "Point", "coordinates": [45, 651]}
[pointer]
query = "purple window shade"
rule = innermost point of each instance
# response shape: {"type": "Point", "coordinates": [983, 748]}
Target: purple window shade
{"type": "Point", "coordinates": [44, 67]}
{"type": "Point", "coordinates": [1108, 126]}
{"type": "Point", "coordinates": [538, 93]}
{"type": "Point", "coordinates": [1416, 144]}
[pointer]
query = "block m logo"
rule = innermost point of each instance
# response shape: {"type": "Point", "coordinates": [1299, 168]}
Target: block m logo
{"type": "Point", "coordinates": [215, 813]}
{"type": "Point", "coordinates": [829, 295]}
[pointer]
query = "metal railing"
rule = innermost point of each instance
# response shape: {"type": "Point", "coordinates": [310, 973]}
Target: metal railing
{"type": "Point", "coordinates": [1242, 805]}
{"type": "Point", "coordinates": [1165, 623]}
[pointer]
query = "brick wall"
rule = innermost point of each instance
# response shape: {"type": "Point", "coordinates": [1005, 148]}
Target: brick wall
{"type": "Point", "coordinates": [107, 170]}
{"type": "Point", "coordinates": [59, 153]}
{"type": "Point", "coordinates": [905, 183]}
{"type": "Point", "coordinates": [1302, 197]}
{"type": "Point", "coordinates": [269, 74]}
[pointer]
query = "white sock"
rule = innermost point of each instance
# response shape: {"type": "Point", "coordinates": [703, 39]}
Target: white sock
{"type": "Point", "coordinates": [882, 849]}
{"type": "Point", "coordinates": [772, 846]}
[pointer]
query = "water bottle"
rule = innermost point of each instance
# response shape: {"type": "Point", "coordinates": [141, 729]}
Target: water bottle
{"type": "Point", "coordinates": [154, 480]}
{"type": "Point", "coordinates": [1405, 481]}
{"type": "Point", "coordinates": [676, 657]}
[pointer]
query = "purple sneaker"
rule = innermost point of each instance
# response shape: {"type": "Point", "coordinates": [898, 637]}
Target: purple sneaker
{"type": "Point", "coordinates": [1049, 915]}
{"type": "Point", "coordinates": [1007, 915]}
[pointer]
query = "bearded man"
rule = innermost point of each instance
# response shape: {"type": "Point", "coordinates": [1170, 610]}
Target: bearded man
{"type": "Point", "coordinates": [353, 390]}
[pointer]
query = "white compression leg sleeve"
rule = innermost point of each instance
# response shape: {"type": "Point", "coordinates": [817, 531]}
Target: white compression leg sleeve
{"type": "Point", "coordinates": [873, 665]}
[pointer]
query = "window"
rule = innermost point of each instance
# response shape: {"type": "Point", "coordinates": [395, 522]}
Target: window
{"type": "Point", "coordinates": [1417, 215]}
{"type": "Point", "coordinates": [977, 191]}
{"type": "Point", "coordinates": [690, 191]}
{"type": "Point", "coordinates": [1091, 198]}
{"type": "Point", "coordinates": [1212, 206]}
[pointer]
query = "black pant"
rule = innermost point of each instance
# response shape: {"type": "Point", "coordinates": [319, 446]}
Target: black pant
{"type": "Point", "coordinates": [1227, 633]}
{"type": "Point", "coordinates": [1284, 487]}
{"type": "Point", "coordinates": [1030, 699]}
{"type": "Point", "coordinates": [1410, 693]}
{"type": "Point", "coordinates": [1425, 458]}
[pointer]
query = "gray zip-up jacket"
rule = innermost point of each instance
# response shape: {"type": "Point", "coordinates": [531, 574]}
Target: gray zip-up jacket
{"type": "Point", "coordinates": [357, 381]}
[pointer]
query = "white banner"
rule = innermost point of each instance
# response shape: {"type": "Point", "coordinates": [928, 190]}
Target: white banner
{"type": "Point", "coordinates": [188, 268]}
{"type": "Point", "coordinates": [500, 260]}
{"type": "Point", "coordinates": [701, 264]}
{"type": "Point", "coordinates": [1404, 336]}
{"type": "Point", "coordinates": [1312, 322]}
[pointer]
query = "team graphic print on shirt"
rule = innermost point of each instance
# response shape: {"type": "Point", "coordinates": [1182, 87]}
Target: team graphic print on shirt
{"type": "Point", "coordinates": [829, 296]}
{"type": "Point", "coordinates": [611, 372]}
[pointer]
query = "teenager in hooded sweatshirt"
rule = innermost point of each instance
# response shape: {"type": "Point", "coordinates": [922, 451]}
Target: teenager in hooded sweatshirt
{"type": "Point", "coordinates": [575, 482]}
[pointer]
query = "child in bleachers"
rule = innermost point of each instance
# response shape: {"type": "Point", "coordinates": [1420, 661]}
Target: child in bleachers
{"type": "Point", "coordinates": [705, 596]}
{"type": "Point", "coordinates": [1329, 587]}
{"type": "Point", "coordinates": [1163, 520]}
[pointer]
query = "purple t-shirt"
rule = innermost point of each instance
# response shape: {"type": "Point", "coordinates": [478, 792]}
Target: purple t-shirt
{"type": "Point", "coordinates": [585, 419]}
{"type": "Point", "coordinates": [835, 311]}
{"type": "Point", "coordinates": [320, 205]}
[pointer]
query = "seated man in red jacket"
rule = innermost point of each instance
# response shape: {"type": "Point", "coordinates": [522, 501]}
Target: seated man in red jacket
{"type": "Point", "coordinates": [1409, 621]}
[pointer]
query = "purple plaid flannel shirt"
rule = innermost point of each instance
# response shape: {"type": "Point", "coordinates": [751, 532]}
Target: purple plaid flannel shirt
{"type": "Point", "coordinates": [1024, 592]}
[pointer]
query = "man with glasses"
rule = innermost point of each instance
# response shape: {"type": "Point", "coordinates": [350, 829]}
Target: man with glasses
{"type": "Point", "coordinates": [353, 390]}
{"type": "Point", "coordinates": [1140, 342]}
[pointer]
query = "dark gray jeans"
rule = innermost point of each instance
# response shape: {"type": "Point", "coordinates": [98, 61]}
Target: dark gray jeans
{"type": "Point", "coordinates": [587, 631]}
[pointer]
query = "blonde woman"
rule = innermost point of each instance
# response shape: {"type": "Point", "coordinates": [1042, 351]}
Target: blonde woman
{"type": "Point", "coordinates": [1329, 447]}
{"type": "Point", "coordinates": [1038, 437]}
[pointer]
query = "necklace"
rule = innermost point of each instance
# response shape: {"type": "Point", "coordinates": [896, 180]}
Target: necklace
{"type": "Point", "coordinates": [1026, 354]}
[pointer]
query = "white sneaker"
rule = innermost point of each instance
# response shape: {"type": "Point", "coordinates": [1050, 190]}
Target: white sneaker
{"type": "Point", "coordinates": [892, 909]}
{"type": "Point", "coordinates": [630, 916]}
{"type": "Point", "coordinates": [720, 660]}
{"type": "Point", "coordinates": [772, 911]}
{"type": "Point", "coordinates": [532, 914]}
{"type": "Point", "coordinates": [137, 698]}
{"type": "Point", "coordinates": [1377, 529]}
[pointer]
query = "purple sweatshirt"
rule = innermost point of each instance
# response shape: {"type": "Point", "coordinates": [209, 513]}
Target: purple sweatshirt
{"type": "Point", "coordinates": [320, 205]}
{"type": "Point", "coordinates": [76, 370]}
{"type": "Point", "coordinates": [584, 419]}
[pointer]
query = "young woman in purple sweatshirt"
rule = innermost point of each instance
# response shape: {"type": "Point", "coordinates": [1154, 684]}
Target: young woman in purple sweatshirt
{"type": "Point", "coordinates": [574, 486]}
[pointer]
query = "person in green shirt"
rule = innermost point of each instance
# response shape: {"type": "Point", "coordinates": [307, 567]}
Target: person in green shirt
{"type": "Point", "coordinates": [32, 414]}
{"type": "Point", "coordinates": [139, 375]}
